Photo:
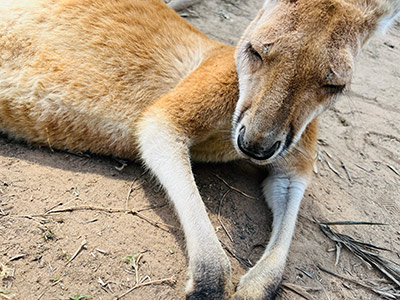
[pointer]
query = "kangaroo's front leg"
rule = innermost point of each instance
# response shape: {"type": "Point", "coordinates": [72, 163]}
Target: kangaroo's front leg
{"type": "Point", "coordinates": [283, 190]}
{"type": "Point", "coordinates": [164, 149]}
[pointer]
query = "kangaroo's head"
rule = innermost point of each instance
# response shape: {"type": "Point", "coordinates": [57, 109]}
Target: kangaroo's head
{"type": "Point", "coordinates": [293, 62]}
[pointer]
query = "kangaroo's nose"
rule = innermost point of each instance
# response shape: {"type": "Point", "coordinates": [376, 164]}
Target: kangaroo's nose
{"type": "Point", "coordinates": [256, 150]}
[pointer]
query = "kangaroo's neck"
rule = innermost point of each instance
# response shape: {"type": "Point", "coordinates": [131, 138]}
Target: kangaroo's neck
{"type": "Point", "coordinates": [208, 95]}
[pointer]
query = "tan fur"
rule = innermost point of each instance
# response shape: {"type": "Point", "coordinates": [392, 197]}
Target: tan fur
{"type": "Point", "coordinates": [130, 78]}
{"type": "Point", "coordinates": [56, 84]}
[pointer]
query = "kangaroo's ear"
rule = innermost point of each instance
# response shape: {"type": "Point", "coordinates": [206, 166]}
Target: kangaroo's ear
{"type": "Point", "coordinates": [269, 4]}
{"type": "Point", "coordinates": [380, 14]}
{"type": "Point", "coordinates": [178, 5]}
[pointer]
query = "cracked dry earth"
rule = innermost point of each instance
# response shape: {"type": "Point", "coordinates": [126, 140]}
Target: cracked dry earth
{"type": "Point", "coordinates": [37, 250]}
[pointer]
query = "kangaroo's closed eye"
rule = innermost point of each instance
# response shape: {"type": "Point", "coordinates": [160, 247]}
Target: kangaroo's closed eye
{"type": "Point", "coordinates": [334, 88]}
{"type": "Point", "coordinates": [253, 53]}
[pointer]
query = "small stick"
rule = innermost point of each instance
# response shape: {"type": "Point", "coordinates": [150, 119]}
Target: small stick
{"type": "Point", "coordinates": [87, 207]}
{"type": "Point", "coordinates": [393, 169]}
{"type": "Point", "coordinates": [129, 194]}
{"type": "Point", "coordinates": [81, 247]}
{"type": "Point", "coordinates": [53, 207]}
{"type": "Point", "coordinates": [327, 153]}
{"type": "Point", "coordinates": [377, 291]}
{"type": "Point", "coordinates": [154, 223]}
{"type": "Point", "coordinates": [219, 216]}
{"type": "Point", "coordinates": [368, 170]}
{"type": "Point", "coordinates": [315, 167]}
{"type": "Point", "coordinates": [338, 248]}
{"type": "Point", "coordinates": [90, 221]}
{"type": "Point", "coordinates": [42, 294]}
{"type": "Point", "coordinates": [57, 282]}
{"type": "Point", "coordinates": [123, 165]}
{"type": "Point", "coordinates": [109, 210]}
{"type": "Point", "coordinates": [101, 251]}
{"type": "Point", "coordinates": [170, 281]}
{"type": "Point", "coordinates": [308, 274]}
{"type": "Point", "coordinates": [322, 142]}
{"type": "Point", "coordinates": [333, 168]}
{"type": "Point", "coordinates": [246, 262]}
{"type": "Point", "coordinates": [298, 290]}
{"type": "Point", "coordinates": [318, 282]}
{"type": "Point", "coordinates": [351, 223]}
{"type": "Point", "coordinates": [76, 208]}
{"type": "Point", "coordinates": [347, 172]}
{"type": "Point", "coordinates": [17, 257]}
{"type": "Point", "coordinates": [324, 290]}
{"type": "Point", "coordinates": [234, 188]}
{"type": "Point", "coordinates": [3, 294]}
{"type": "Point", "coordinates": [342, 277]}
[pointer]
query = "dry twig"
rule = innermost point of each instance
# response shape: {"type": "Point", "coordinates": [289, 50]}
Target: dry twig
{"type": "Point", "coordinates": [333, 168]}
{"type": "Point", "coordinates": [351, 223]}
{"type": "Point", "coordinates": [81, 247]}
{"type": "Point", "coordinates": [5, 294]}
{"type": "Point", "coordinates": [19, 256]}
{"type": "Point", "coordinates": [53, 207]}
{"type": "Point", "coordinates": [368, 170]}
{"type": "Point", "coordinates": [308, 274]}
{"type": "Point", "coordinates": [245, 262]}
{"type": "Point", "coordinates": [234, 188]}
{"type": "Point", "coordinates": [298, 290]}
{"type": "Point", "coordinates": [131, 189]}
{"type": "Point", "coordinates": [394, 170]}
{"type": "Point", "coordinates": [347, 172]}
{"type": "Point", "coordinates": [382, 292]}
{"type": "Point", "coordinates": [364, 251]}
{"type": "Point", "coordinates": [219, 216]}
{"type": "Point", "coordinates": [108, 210]}
{"type": "Point", "coordinates": [170, 281]}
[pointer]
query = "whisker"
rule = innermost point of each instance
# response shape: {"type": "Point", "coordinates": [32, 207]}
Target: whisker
{"type": "Point", "coordinates": [301, 150]}
{"type": "Point", "coordinates": [352, 106]}
{"type": "Point", "coordinates": [224, 138]}
{"type": "Point", "coordinates": [224, 130]}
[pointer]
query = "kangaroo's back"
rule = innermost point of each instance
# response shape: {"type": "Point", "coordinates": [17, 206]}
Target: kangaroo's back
{"type": "Point", "coordinates": [77, 70]}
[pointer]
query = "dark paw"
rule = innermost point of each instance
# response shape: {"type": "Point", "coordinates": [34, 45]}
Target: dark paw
{"type": "Point", "coordinates": [210, 288]}
{"type": "Point", "coordinates": [209, 282]}
{"type": "Point", "coordinates": [253, 292]}
{"type": "Point", "coordinates": [207, 294]}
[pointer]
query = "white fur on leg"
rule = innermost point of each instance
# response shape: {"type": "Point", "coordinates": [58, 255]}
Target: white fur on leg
{"type": "Point", "coordinates": [283, 195]}
{"type": "Point", "coordinates": [166, 153]}
{"type": "Point", "coordinates": [167, 157]}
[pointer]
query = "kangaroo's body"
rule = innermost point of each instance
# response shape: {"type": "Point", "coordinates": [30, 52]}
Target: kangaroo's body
{"type": "Point", "coordinates": [132, 79]}
{"type": "Point", "coordinates": [83, 84]}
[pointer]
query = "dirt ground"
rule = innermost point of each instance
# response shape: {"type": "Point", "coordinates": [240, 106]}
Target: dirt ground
{"type": "Point", "coordinates": [37, 249]}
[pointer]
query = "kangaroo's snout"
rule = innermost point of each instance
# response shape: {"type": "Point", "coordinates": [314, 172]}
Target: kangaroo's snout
{"type": "Point", "coordinates": [261, 149]}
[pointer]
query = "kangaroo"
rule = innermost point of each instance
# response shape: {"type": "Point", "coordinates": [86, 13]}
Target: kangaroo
{"type": "Point", "coordinates": [132, 79]}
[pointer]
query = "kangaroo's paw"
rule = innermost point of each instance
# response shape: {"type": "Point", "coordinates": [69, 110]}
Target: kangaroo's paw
{"type": "Point", "coordinates": [251, 289]}
{"type": "Point", "coordinates": [209, 280]}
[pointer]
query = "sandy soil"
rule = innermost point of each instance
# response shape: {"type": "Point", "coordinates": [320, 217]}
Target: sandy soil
{"type": "Point", "coordinates": [362, 132]}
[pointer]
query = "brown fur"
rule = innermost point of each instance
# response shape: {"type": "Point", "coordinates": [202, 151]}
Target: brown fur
{"type": "Point", "coordinates": [62, 76]}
